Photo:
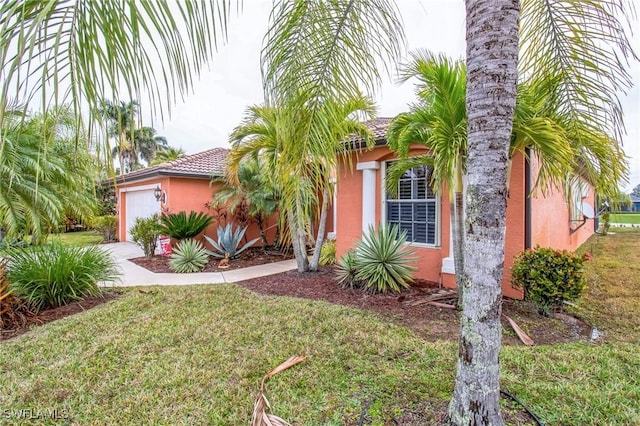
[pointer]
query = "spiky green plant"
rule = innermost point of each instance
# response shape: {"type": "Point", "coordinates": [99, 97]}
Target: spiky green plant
{"type": "Point", "coordinates": [229, 241]}
{"type": "Point", "coordinates": [382, 260]}
{"type": "Point", "coordinates": [57, 274]}
{"type": "Point", "coordinates": [180, 226]}
{"type": "Point", "coordinates": [188, 256]}
{"type": "Point", "coordinates": [346, 271]}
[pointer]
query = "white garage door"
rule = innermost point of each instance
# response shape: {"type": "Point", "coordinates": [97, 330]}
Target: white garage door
{"type": "Point", "coordinates": [140, 204]}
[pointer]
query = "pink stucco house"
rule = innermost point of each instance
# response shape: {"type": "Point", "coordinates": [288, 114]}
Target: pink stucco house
{"type": "Point", "coordinates": [183, 184]}
{"type": "Point", "coordinates": [361, 200]}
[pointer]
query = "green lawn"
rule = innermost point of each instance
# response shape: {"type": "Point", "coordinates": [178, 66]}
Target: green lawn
{"type": "Point", "coordinates": [83, 238]}
{"type": "Point", "coordinates": [632, 218]}
{"type": "Point", "coordinates": [196, 355]}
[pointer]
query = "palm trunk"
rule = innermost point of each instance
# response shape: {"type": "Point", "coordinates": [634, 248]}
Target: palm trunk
{"type": "Point", "coordinates": [458, 239]}
{"type": "Point", "coordinates": [322, 226]}
{"type": "Point", "coordinates": [297, 242]}
{"type": "Point", "coordinates": [492, 60]}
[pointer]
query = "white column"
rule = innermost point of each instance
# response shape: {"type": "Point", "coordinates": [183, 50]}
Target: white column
{"type": "Point", "coordinates": [368, 192]}
{"type": "Point", "coordinates": [448, 263]}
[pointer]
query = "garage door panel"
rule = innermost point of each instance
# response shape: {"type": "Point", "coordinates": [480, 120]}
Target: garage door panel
{"type": "Point", "coordinates": [141, 204]}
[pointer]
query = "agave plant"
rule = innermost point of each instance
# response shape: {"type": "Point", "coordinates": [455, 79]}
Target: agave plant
{"type": "Point", "coordinates": [188, 256]}
{"type": "Point", "coordinates": [180, 226]}
{"type": "Point", "coordinates": [382, 261]}
{"type": "Point", "coordinates": [229, 241]}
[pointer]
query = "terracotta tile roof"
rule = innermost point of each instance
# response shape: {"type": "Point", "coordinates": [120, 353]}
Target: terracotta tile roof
{"type": "Point", "coordinates": [379, 128]}
{"type": "Point", "coordinates": [203, 164]}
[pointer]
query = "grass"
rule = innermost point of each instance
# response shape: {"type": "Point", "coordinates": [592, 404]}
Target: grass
{"type": "Point", "coordinates": [83, 238]}
{"type": "Point", "coordinates": [630, 218]}
{"type": "Point", "coordinates": [196, 355]}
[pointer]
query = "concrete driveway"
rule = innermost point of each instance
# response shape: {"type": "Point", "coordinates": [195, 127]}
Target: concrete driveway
{"type": "Point", "coordinates": [134, 275]}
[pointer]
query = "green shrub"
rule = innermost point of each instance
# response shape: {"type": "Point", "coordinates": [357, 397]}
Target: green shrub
{"type": "Point", "coordinates": [57, 274]}
{"type": "Point", "coordinates": [188, 256]}
{"type": "Point", "coordinates": [229, 241]}
{"type": "Point", "coordinates": [145, 233]}
{"type": "Point", "coordinates": [328, 253]}
{"type": "Point", "coordinates": [606, 223]}
{"type": "Point", "coordinates": [180, 226]}
{"type": "Point", "coordinates": [106, 225]}
{"type": "Point", "coordinates": [548, 277]}
{"type": "Point", "coordinates": [380, 262]}
{"type": "Point", "coordinates": [346, 271]}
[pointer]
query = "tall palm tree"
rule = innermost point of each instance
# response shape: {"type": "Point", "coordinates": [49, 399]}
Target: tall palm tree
{"type": "Point", "coordinates": [120, 119]}
{"type": "Point", "coordinates": [581, 42]}
{"type": "Point", "coordinates": [148, 144]}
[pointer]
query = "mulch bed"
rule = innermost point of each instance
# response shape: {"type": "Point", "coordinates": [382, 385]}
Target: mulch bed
{"type": "Point", "coordinates": [52, 314]}
{"type": "Point", "coordinates": [408, 308]}
{"type": "Point", "coordinates": [250, 257]}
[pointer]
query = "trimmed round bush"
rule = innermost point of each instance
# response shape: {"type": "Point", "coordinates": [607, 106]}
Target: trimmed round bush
{"type": "Point", "coordinates": [57, 274]}
{"type": "Point", "coordinates": [188, 256]}
{"type": "Point", "coordinates": [549, 277]}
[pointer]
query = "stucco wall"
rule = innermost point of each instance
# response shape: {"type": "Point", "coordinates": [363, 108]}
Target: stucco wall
{"type": "Point", "coordinates": [551, 222]}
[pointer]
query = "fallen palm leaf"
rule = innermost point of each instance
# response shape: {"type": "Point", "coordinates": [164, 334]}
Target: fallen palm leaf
{"type": "Point", "coordinates": [260, 415]}
{"type": "Point", "coordinates": [521, 334]}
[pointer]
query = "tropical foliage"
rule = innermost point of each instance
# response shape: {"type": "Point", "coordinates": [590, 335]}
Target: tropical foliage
{"type": "Point", "coordinates": [107, 226]}
{"type": "Point", "coordinates": [549, 277]}
{"type": "Point", "coordinates": [252, 192]}
{"type": "Point", "coordinates": [188, 256]}
{"type": "Point", "coordinates": [57, 274]}
{"type": "Point", "coordinates": [42, 178]}
{"type": "Point", "coordinates": [380, 262]}
{"type": "Point", "coordinates": [167, 153]}
{"type": "Point", "coordinates": [180, 226]}
{"type": "Point", "coordinates": [229, 241]}
{"type": "Point", "coordinates": [328, 253]}
{"type": "Point", "coordinates": [145, 233]}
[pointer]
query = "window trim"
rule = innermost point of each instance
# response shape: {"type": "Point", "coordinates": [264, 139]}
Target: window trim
{"type": "Point", "coordinates": [383, 212]}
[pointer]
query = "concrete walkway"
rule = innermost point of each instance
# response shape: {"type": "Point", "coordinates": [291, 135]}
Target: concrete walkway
{"type": "Point", "coordinates": [134, 275]}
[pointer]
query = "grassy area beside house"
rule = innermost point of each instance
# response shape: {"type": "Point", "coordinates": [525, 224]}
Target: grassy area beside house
{"type": "Point", "coordinates": [196, 355]}
{"type": "Point", "coordinates": [83, 238]}
{"type": "Point", "coordinates": [630, 218]}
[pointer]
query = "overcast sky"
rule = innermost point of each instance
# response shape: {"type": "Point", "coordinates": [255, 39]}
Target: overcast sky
{"type": "Point", "coordinates": [206, 118]}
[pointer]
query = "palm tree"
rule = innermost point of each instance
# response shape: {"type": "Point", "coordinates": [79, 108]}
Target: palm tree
{"type": "Point", "coordinates": [439, 122]}
{"type": "Point", "coordinates": [313, 65]}
{"type": "Point", "coordinates": [148, 144]}
{"type": "Point", "coordinates": [167, 153]}
{"type": "Point", "coordinates": [299, 171]}
{"type": "Point", "coordinates": [252, 190]}
{"type": "Point", "coordinates": [39, 185]}
{"type": "Point", "coordinates": [582, 42]}
{"type": "Point", "coordinates": [120, 119]}
{"type": "Point", "coordinates": [94, 50]}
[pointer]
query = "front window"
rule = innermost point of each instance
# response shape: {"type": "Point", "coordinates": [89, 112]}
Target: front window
{"type": "Point", "coordinates": [414, 208]}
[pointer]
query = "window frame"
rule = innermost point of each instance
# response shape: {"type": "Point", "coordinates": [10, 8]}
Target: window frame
{"type": "Point", "coordinates": [383, 214]}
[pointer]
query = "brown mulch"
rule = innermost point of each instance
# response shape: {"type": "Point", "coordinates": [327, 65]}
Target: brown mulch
{"type": "Point", "coordinates": [408, 309]}
{"type": "Point", "coordinates": [250, 257]}
{"type": "Point", "coordinates": [51, 314]}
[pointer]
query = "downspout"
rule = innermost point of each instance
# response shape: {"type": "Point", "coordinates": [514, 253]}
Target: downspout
{"type": "Point", "coordinates": [528, 203]}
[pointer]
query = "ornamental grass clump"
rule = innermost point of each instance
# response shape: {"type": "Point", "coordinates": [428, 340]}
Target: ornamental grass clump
{"type": "Point", "coordinates": [188, 256]}
{"type": "Point", "coordinates": [549, 277]}
{"type": "Point", "coordinates": [58, 274]}
{"type": "Point", "coordinates": [380, 263]}
{"type": "Point", "coordinates": [328, 253]}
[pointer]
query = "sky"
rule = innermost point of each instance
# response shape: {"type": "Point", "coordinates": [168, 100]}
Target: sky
{"type": "Point", "coordinates": [205, 118]}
